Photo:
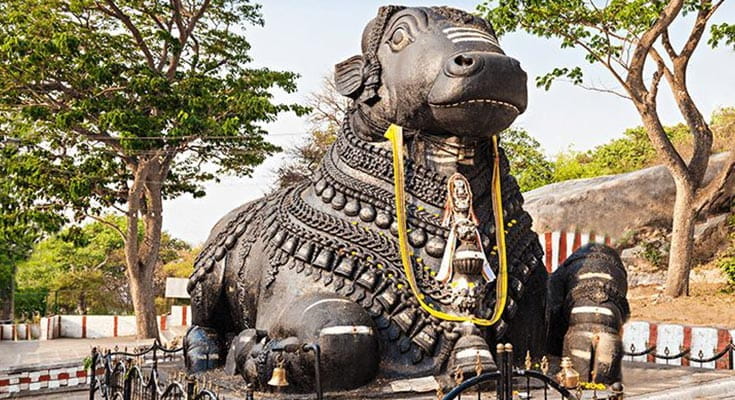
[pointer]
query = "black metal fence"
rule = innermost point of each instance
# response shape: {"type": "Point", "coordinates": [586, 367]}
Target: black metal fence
{"type": "Point", "coordinates": [512, 383]}
{"type": "Point", "coordinates": [686, 354]}
{"type": "Point", "coordinates": [134, 375]}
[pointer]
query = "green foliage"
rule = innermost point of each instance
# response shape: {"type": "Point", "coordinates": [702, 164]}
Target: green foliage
{"type": "Point", "coordinates": [727, 265]}
{"type": "Point", "coordinates": [723, 129]}
{"type": "Point", "coordinates": [602, 30]}
{"type": "Point", "coordinates": [726, 262]}
{"type": "Point", "coordinates": [29, 302]}
{"type": "Point", "coordinates": [23, 219]}
{"type": "Point", "coordinates": [83, 269]}
{"type": "Point", "coordinates": [723, 32]}
{"type": "Point", "coordinates": [119, 104]}
{"type": "Point", "coordinates": [527, 162]}
{"type": "Point", "coordinates": [87, 363]}
{"type": "Point", "coordinates": [652, 253]}
{"type": "Point", "coordinates": [89, 95]}
{"type": "Point", "coordinates": [630, 153]}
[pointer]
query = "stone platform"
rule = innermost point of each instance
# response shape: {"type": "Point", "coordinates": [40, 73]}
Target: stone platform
{"type": "Point", "coordinates": [643, 381]}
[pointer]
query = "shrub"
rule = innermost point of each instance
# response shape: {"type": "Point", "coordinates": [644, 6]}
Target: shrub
{"type": "Point", "coordinates": [727, 265]}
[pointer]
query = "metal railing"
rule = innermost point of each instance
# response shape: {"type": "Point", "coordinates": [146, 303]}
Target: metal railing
{"type": "Point", "coordinates": [685, 353]}
{"type": "Point", "coordinates": [121, 375]}
{"type": "Point", "coordinates": [523, 383]}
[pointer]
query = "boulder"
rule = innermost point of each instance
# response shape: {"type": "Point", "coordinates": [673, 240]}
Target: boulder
{"type": "Point", "coordinates": [709, 236]}
{"type": "Point", "coordinates": [613, 204]}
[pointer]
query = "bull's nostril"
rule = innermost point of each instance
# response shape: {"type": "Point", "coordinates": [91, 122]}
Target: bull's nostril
{"type": "Point", "coordinates": [463, 61]}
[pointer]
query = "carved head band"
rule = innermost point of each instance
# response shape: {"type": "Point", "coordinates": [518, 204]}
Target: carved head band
{"type": "Point", "coordinates": [458, 34]}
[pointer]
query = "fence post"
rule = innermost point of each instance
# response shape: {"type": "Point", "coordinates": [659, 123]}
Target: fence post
{"type": "Point", "coordinates": [508, 378]}
{"type": "Point", "coordinates": [500, 390]}
{"type": "Point", "coordinates": [93, 375]}
{"type": "Point", "coordinates": [190, 382]}
{"type": "Point", "coordinates": [128, 381]}
{"type": "Point", "coordinates": [730, 355]}
{"type": "Point", "coordinates": [155, 355]}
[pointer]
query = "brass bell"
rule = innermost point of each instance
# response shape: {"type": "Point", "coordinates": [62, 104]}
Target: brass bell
{"type": "Point", "coordinates": [278, 378]}
{"type": "Point", "coordinates": [568, 377]}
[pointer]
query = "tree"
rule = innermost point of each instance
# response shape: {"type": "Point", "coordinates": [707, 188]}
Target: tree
{"type": "Point", "coordinates": [23, 220]}
{"type": "Point", "coordinates": [86, 266]}
{"type": "Point", "coordinates": [527, 162]}
{"type": "Point", "coordinates": [328, 109]}
{"type": "Point", "coordinates": [128, 102]}
{"type": "Point", "coordinates": [622, 36]}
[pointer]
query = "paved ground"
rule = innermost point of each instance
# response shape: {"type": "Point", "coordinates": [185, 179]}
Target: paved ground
{"type": "Point", "coordinates": [45, 352]}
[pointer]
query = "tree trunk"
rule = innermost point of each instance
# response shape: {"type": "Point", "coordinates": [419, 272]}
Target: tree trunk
{"type": "Point", "coordinates": [682, 238]}
{"type": "Point", "coordinates": [141, 290]}
{"type": "Point", "coordinates": [7, 295]}
{"type": "Point", "coordinates": [141, 257]}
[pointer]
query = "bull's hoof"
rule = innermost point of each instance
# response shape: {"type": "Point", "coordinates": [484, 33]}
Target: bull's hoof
{"type": "Point", "coordinates": [596, 353]}
{"type": "Point", "coordinates": [202, 349]}
{"type": "Point", "coordinates": [240, 349]}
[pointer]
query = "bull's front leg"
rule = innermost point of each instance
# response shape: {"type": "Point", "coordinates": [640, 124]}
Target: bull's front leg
{"type": "Point", "coordinates": [588, 307]}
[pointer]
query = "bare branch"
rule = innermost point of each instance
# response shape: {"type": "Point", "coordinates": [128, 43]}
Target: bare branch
{"type": "Point", "coordinates": [599, 89]}
{"type": "Point", "coordinates": [666, 42]}
{"type": "Point", "coordinates": [108, 223]}
{"type": "Point", "coordinates": [645, 43]}
{"type": "Point", "coordinates": [184, 33]}
{"type": "Point", "coordinates": [703, 15]}
{"type": "Point", "coordinates": [116, 12]}
{"type": "Point", "coordinates": [659, 60]}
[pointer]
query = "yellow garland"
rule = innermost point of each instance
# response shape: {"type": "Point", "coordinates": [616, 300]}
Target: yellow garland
{"type": "Point", "coordinates": [395, 135]}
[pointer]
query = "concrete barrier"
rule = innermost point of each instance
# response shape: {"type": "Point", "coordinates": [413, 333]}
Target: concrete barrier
{"type": "Point", "coordinates": [703, 342]}
{"type": "Point", "coordinates": [90, 326]}
{"type": "Point", "coordinates": [31, 379]}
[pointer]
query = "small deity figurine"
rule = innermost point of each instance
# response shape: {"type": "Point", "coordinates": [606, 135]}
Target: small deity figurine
{"type": "Point", "coordinates": [468, 259]}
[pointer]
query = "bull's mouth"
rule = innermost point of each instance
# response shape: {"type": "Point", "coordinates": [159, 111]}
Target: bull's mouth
{"type": "Point", "coordinates": [475, 117]}
{"type": "Point", "coordinates": [500, 103]}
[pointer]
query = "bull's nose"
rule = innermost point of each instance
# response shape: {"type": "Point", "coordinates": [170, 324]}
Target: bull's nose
{"type": "Point", "coordinates": [463, 65]}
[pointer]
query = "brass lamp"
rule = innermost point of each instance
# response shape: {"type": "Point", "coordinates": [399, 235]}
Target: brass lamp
{"type": "Point", "coordinates": [568, 377]}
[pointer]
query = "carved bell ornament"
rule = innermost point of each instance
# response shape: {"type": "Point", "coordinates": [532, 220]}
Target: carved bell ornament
{"type": "Point", "coordinates": [568, 377]}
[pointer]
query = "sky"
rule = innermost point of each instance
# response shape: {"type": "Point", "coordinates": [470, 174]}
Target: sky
{"type": "Point", "coordinates": [308, 37]}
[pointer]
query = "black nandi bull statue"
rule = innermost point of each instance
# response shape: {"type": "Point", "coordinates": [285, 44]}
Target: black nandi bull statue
{"type": "Point", "coordinates": [319, 262]}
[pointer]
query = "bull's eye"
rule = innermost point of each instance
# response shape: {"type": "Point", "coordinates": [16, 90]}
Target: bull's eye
{"type": "Point", "coordinates": [399, 39]}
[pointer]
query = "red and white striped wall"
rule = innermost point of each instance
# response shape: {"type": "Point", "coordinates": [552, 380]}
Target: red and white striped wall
{"type": "Point", "coordinates": [709, 341]}
{"type": "Point", "coordinates": [18, 380]}
{"type": "Point", "coordinates": [89, 326]}
{"type": "Point", "coordinates": [559, 245]}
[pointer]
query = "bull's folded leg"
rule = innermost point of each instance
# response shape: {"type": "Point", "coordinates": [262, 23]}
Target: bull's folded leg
{"type": "Point", "coordinates": [202, 349]}
{"type": "Point", "coordinates": [342, 329]}
{"type": "Point", "coordinates": [588, 307]}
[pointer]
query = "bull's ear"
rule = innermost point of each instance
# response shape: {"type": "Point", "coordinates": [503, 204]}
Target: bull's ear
{"type": "Point", "coordinates": [348, 77]}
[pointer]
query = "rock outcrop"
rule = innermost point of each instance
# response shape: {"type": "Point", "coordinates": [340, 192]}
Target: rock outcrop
{"type": "Point", "coordinates": [613, 204]}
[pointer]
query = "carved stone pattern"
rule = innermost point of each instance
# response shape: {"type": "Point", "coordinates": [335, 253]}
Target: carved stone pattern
{"type": "Point", "coordinates": [378, 197]}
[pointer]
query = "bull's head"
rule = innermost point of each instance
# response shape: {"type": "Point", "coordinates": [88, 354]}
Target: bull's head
{"type": "Point", "coordinates": [434, 70]}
